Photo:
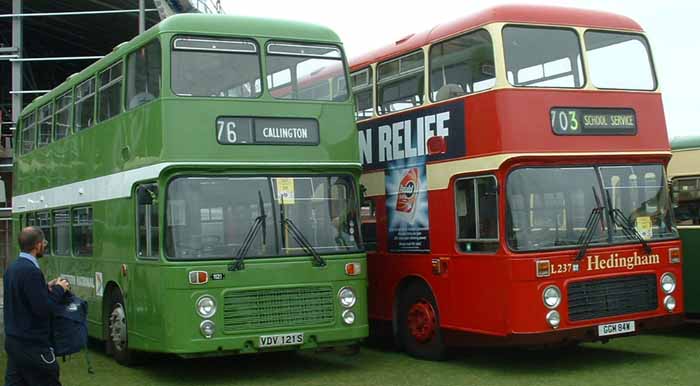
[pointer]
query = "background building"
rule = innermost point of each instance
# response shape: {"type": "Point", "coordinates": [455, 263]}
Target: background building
{"type": "Point", "coordinates": [42, 42]}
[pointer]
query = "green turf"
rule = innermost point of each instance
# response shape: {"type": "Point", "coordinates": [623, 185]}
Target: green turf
{"type": "Point", "coordinates": [671, 358]}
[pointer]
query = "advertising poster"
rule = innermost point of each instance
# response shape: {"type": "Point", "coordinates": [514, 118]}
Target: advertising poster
{"type": "Point", "coordinates": [407, 206]}
{"type": "Point", "coordinates": [385, 141]}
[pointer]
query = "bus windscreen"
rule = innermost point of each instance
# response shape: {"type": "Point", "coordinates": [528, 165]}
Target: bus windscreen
{"type": "Point", "coordinates": [549, 208]}
{"type": "Point", "coordinates": [209, 217]}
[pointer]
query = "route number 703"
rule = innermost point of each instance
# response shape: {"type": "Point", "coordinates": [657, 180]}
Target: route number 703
{"type": "Point", "coordinates": [564, 121]}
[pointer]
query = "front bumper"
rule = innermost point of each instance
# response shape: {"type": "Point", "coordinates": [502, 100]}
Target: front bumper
{"type": "Point", "coordinates": [250, 344]}
{"type": "Point", "coordinates": [558, 337]}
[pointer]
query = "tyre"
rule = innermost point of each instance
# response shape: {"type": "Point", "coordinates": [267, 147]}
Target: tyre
{"type": "Point", "coordinates": [117, 337]}
{"type": "Point", "coordinates": [419, 323]}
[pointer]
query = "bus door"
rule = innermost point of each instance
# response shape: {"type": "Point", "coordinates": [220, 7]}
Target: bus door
{"type": "Point", "coordinates": [475, 270]}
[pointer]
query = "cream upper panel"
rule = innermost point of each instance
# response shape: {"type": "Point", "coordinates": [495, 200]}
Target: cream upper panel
{"type": "Point", "coordinates": [684, 163]}
{"type": "Point", "coordinates": [495, 31]}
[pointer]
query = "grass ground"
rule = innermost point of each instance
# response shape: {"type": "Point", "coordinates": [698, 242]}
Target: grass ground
{"type": "Point", "coordinates": [671, 358]}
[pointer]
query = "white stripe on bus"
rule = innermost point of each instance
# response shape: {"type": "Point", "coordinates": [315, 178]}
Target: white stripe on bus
{"type": "Point", "coordinates": [119, 185]}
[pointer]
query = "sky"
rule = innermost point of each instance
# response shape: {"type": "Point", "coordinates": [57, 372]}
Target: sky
{"type": "Point", "coordinates": [364, 25]}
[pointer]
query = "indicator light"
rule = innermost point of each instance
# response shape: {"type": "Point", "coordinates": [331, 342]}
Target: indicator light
{"type": "Point", "coordinates": [353, 269]}
{"type": "Point", "coordinates": [543, 268]}
{"type": "Point", "coordinates": [674, 255]}
{"type": "Point", "coordinates": [198, 277]}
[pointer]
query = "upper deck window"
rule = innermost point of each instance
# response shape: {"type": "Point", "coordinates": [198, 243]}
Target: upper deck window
{"type": "Point", "coordinates": [85, 104]}
{"type": "Point", "coordinates": [209, 67]}
{"type": "Point", "coordinates": [110, 95]}
{"type": "Point", "coordinates": [306, 72]}
{"type": "Point", "coordinates": [462, 65]}
{"type": "Point", "coordinates": [400, 83]}
{"type": "Point", "coordinates": [362, 90]}
{"type": "Point", "coordinates": [45, 124]}
{"type": "Point", "coordinates": [28, 132]}
{"type": "Point", "coordinates": [143, 75]}
{"type": "Point", "coordinates": [63, 115]}
{"type": "Point", "coordinates": [543, 57]}
{"type": "Point", "coordinates": [619, 61]}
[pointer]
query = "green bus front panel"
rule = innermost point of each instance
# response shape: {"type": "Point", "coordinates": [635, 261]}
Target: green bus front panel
{"type": "Point", "coordinates": [269, 296]}
{"type": "Point", "coordinates": [690, 237]}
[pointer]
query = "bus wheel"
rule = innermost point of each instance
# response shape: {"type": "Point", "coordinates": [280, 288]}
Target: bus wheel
{"type": "Point", "coordinates": [117, 340]}
{"type": "Point", "coordinates": [419, 324]}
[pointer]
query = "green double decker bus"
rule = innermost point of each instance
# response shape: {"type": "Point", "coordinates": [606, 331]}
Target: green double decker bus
{"type": "Point", "coordinates": [198, 186]}
{"type": "Point", "coordinates": [684, 171]}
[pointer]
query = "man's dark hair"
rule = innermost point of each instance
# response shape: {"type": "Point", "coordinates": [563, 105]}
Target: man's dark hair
{"type": "Point", "coordinates": [29, 237]}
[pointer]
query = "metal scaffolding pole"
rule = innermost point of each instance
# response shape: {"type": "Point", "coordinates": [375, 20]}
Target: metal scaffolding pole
{"type": "Point", "coordinates": [17, 66]}
{"type": "Point", "coordinates": [78, 13]}
{"type": "Point", "coordinates": [142, 16]}
{"type": "Point", "coordinates": [53, 58]}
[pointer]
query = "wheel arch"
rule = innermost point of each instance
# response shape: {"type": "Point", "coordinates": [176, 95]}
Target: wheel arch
{"type": "Point", "coordinates": [403, 284]}
{"type": "Point", "coordinates": [110, 287]}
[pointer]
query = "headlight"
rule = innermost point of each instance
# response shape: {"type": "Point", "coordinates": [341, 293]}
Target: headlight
{"type": "Point", "coordinates": [670, 303]}
{"type": "Point", "coordinates": [551, 296]}
{"type": "Point", "coordinates": [206, 306]}
{"type": "Point", "coordinates": [553, 318]}
{"type": "Point", "coordinates": [348, 317]}
{"type": "Point", "coordinates": [668, 282]}
{"type": "Point", "coordinates": [347, 297]}
{"type": "Point", "coordinates": [207, 328]}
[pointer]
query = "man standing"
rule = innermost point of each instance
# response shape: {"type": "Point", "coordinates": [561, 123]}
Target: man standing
{"type": "Point", "coordinates": [28, 303]}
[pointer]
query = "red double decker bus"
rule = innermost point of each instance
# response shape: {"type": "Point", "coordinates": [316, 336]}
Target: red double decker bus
{"type": "Point", "coordinates": [514, 182]}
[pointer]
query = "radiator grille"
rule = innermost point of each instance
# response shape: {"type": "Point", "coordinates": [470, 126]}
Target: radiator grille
{"type": "Point", "coordinates": [609, 297]}
{"type": "Point", "coordinates": [277, 307]}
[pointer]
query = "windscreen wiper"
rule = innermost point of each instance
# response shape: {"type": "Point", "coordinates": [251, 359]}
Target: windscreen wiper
{"type": "Point", "coordinates": [299, 236]}
{"type": "Point", "coordinates": [258, 223]}
{"type": "Point", "coordinates": [628, 229]}
{"type": "Point", "coordinates": [594, 219]}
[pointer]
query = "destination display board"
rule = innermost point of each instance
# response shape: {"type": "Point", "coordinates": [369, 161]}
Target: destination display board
{"type": "Point", "coordinates": [267, 131]}
{"type": "Point", "coordinates": [593, 121]}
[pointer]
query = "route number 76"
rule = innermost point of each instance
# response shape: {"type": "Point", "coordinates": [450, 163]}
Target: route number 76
{"type": "Point", "coordinates": [227, 131]}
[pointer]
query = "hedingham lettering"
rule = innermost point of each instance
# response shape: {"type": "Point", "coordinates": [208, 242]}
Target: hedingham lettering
{"type": "Point", "coordinates": [596, 263]}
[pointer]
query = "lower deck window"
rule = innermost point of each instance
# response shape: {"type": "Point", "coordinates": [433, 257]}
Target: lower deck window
{"type": "Point", "coordinates": [476, 201]}
{"type": "Point", "coordinates": [147, 219]}
{"type": "Point", "coordinates": [60, 232]}
{"type": "Point", "coordinates": [43, 221]}
{"type": "Point", "coordinates": [82, 232]}
{"type": "Point", "coordinates": [368, 218]}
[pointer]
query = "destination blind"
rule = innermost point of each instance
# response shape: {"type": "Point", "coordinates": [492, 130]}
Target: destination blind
{"type": "Point", "coordinates": [275, 131]}
{"type": "Point", "coordinates": [593, 121]}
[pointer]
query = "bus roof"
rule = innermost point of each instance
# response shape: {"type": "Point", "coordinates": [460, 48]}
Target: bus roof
{"type": "Point", "coordinates": [530, 14]}
{"type": "Point", "coordinates": [687, 142]}
{"type": "Point", "coordinates": [202, 24]}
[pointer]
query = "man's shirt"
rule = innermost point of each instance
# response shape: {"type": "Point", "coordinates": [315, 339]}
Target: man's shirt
{"type": "Point", "coordinates": [29, 257]}
{"type": "Point", "coordinates": [28, 302]}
